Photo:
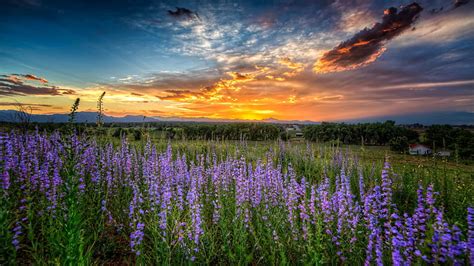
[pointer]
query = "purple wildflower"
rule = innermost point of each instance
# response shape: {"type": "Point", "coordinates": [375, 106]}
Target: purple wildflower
{"type": "Point", "coordinates": [470, 234]}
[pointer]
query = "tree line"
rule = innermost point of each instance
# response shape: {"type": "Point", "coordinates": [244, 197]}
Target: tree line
{"type": "Point", "coordinates": [460, 140]}
{"type": "Point", "coordinates": [223, 131]}
{"type": "Point", "coordinates": [361, 134]}
{"type": "Point", "coordinates": [439, 137]}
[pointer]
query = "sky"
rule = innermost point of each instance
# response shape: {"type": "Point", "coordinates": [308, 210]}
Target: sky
{"type": "Point", "coordinates": [288, 60]}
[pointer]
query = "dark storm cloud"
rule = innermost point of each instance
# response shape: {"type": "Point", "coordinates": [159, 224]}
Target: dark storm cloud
{"type": "Point", "coordinates": [15, 85]}
{"type": "Point", "coordinates": [183, 13]}
{"type": "Point", "coordinates": [451, 6]}
{"type": "Point", "coordinates": [367, 45]}
{"type": "Point", "coordinates": [458, 3]}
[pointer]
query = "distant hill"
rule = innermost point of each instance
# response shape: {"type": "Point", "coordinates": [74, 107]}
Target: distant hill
{"type": "Point", "coordinates": [452, 118]}
{"type": "Point", "coordinates": [81, 117]}
{"type": "Point", "coordinates": [91, 117]}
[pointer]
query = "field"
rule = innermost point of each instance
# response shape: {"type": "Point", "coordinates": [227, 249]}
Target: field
{"type": "Point", "coordinates": [80, 199]}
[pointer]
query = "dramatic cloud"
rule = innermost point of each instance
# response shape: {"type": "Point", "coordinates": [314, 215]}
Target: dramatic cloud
{"type": "Point", "coordinates": [295, 67]}
{"type": "Point", "coordinates": [18, 85]}
{"type": "Point", "coordinates": [458, 3]}
{"type": "Point", "coordinates": [236, 76]}
{"type": "Point", "coordinates": [19, 77]}
{"type": "Point", "coordinates": [35, 78]}
{"type": "Point", "coordinates": [156, 83]}
{"type": "Point", "coordinates": [366, 46]}
{"type": "Point", "coordinates": [177, 95]}
{"type": "Point", "coordinates": [183, 13]}
{"type": "Point", "coordinates": [213, 92]}
{"type": "Point", "coordinates": [229, 90]}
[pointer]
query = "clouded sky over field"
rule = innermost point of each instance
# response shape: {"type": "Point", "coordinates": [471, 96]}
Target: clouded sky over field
{"type": "Point", "coordinates": [315, 60]}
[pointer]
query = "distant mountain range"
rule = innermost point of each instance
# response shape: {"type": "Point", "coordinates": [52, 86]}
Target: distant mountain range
{"type": "Point", "coordinates": [453, 118]}
{"type": "Point", "coordinates": [450, 118]}
{"type": "Point", "coordinates": [81, 117]}
{"type": "Point", "coordinates": [91, 117]}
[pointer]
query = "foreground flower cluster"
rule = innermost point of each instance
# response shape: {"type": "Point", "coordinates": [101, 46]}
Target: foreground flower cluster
{"type": "Point", "coordinates": [65, 198]}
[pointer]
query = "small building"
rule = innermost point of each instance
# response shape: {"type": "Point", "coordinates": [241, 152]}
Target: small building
{"type": "Point", "coordinates": [443, 153]}
{"type": "Point", "coordinates": [418, 149]}
{"type": "Point", "coordinates": [294, 131]}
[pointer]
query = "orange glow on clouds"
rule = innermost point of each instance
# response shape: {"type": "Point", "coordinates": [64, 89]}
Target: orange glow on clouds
{"type": "Point", "coordinates": [328, 64]}
{"type": "Point", "coordinates": [248, 98]}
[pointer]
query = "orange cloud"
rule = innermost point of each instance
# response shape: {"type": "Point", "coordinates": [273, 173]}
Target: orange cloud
{"type": "Point", "coordinates": [332, 63]}
{"type": "Point", "coordinates": [35, 78]}
{"type": "Point", "coordinates": [296, 67]}
{"type": "Point", "coordinates": [214, 91]}
{"type": "Point", "coordinates": [275, 78]}
{"type": "Point", "coordinates": [181, 95]}
{"type": "Point", "coordinates": [16, 85]}
{"type": "Point", "coordinates": [238, 77]}
{"type": "Point", "coordinates": [367, 45]}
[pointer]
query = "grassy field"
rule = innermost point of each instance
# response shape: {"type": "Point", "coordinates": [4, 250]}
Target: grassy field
{"type": "Point", "coordinates": [94, 200]}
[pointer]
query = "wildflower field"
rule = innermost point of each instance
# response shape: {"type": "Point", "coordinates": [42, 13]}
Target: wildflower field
{"type": "Point", "coordinates": [73, 199]}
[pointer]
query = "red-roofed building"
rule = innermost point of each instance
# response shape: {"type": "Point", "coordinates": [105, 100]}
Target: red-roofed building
{"type": "Point", "coordinates": [418, 149]}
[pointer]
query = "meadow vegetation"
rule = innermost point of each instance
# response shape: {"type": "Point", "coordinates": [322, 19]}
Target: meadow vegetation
{"type": "Point", "coordinates": [81, 198]}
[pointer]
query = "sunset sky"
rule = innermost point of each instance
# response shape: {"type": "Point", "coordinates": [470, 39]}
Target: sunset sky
{"type": "Point", "coordinates": [306, 60]}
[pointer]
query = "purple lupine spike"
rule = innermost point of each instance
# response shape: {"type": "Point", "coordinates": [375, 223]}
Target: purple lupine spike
{"type": "Point", "coordinates": [5, 180]}
{"type": "Point", "coordinates": [165, 206]}
{"type": "Point", "coordinates": [7, 161]}
{"type": "Point", "coordinates": [291, 201]}
{"type": "Point", "coordinates": [361, 186]}
{"type": "Point", "coordinates": [470, 234]}
{"type": "Point", "coordinates": [456, 249]}
{"type": "Point", "coordinates": [312, 204]}
{"type": "Point", "coordinates": [135, 215]}
{"type": "Point", "coordinates": [386, 188]}
{"type": "Point", "coordinates": [195, 213]}
{"type": "Point", "coordinates": [136, 238]}
{"type": "Point", "coordinates": [372, 212]}
{"type": "Point", "coordinates": [398, 241]}
{"type": "Point", "coordinates": [326, 205]}
{"type": "Point", "coordinates": [17, 231]}
{"type": "Point", "coordinates": [303, 209]}
{"type": "Point", "coordinates": [430, 200]}
{"type": "Point", "coordinates": [409, 239]}
{"type": "Point", "coordinates": [440, 240]}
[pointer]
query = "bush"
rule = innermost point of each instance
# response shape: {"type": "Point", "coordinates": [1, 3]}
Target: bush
{"type": "Point", "coordinates": [137, 134]}
{"type": "Point", "coordinates": [399, 144]}
{"type": "Point", "coordinates": [118, 132]}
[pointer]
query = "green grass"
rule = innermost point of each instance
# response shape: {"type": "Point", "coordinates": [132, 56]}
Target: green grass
{"type": "Point", "coordinates": [81, 234]}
